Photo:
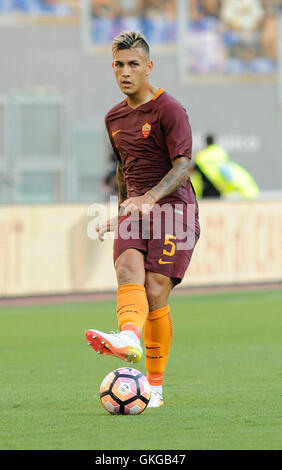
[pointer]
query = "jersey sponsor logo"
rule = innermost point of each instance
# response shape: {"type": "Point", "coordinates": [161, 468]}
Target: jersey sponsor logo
{"type": "Point", "coordinates": [115, 132]}
{"type": "Point", "coordinates": [146, 130]}
{"type": "Point", "coordinates": [164, 262]}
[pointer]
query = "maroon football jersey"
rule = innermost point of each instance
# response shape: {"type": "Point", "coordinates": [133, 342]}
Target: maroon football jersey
{"type": "Point", "coordinates": [147, 139]}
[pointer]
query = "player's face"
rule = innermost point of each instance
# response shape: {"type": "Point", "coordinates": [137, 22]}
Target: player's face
{"type": "Point", "coordinates": [132, 68]}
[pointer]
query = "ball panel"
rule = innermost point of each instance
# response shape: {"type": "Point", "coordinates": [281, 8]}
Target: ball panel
{"type": "Point", "coordinates": [124, 388]}
{"type": "Point", "coordinates": [135, 408]}
{"type": "Point", "coordinates": [110, 405]}
{"type": "Point", "coordinates": [106, 383]}
{"type": "Point", "coordinates": [128, 371]}
{"type": "Point", "coordinates": [145, 388]}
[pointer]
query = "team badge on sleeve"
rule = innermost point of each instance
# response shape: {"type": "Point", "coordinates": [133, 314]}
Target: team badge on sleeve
{"type": "Point", "coordinates": [146, 129]}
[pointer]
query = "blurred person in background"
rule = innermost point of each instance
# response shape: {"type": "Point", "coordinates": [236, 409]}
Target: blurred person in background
{"type": "Point", "coordinates": [206, 49]}
{"type": "Point", "coordinates": [158, 20]}
{"type": "Point", "coordinates": [202, 11]}
{"type": "Point", "coordinates": [215, 175]}
{"type": "Point", "coordinates": [39, 7]}
{"type": "Point", "coordinates": [129, 15]}
{"type": "Point", "coordinates": [110, 186]}
{"type": "Point", "coordinates": [170, 21]}
{"type": "Point", "coordinates": [268, 39]}
{"type": "Point", "coordinates": [126, 15]}
{"type": "Point", "coordinates": [241, 21]}
{"type": "Point", "coordinates": [242, 15]}
{"type": "Point", "coordinates": [153, 20]}
{"type": "Point", "coordinates": [104, 13]}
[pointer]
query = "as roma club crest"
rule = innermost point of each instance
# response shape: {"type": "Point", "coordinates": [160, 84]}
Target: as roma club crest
{"type": "Point", "coordinates": [146, 129]}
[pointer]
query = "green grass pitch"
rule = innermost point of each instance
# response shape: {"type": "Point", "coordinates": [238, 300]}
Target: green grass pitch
{"type": "Point", "coordinates": [222, 385]}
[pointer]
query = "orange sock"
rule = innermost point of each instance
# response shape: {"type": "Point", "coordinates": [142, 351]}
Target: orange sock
{"type": "Point", "coordinates": [132, 308]}
{"type": "Point", "coordinates": [157, 338]}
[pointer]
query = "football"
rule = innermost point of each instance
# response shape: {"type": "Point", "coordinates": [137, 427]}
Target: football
{"type": "Point", "coordinates": [125, 391]}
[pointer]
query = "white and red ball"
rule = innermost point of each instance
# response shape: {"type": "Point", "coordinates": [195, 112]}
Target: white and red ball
{"type": "Point", "coordinates": [125, 391]}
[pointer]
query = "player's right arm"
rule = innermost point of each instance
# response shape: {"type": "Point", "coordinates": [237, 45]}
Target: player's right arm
{"type": "Point", "coordinates": [111, 223]}
{"type": "Point", "coordinates": [121, 184]}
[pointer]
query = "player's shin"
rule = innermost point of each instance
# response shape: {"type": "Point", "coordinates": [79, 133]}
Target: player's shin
{"type": "Point", "coordinates": [157, 338]}
{"type": "Point", "coordinates": [132, 308]}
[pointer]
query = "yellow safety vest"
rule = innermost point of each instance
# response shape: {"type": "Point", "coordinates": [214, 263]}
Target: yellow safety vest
{"type": "Point", "coordinates": [229, 178]}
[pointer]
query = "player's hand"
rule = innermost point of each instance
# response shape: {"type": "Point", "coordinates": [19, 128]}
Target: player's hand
{"type": "Point", "coordinates": [108, 226]}
{"type": "Point", "coordinates": [138, 204]}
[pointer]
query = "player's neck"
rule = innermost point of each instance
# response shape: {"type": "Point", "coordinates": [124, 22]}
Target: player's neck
{"type": "Point", "coordinates": [141, 97]}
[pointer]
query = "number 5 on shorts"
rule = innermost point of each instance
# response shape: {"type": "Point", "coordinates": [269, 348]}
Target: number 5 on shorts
{"type": "Point", "coordinates": [168, 241]}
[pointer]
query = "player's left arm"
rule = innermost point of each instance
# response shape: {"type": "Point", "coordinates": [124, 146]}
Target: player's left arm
{"type": "Point", "coordinates": [173, 180]}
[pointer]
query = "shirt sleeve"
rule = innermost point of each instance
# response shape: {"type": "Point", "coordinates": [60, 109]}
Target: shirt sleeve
{"type": "Point", "coordinates": [116, 152]}
{"type": "Point", "coordinates": [177, 131]}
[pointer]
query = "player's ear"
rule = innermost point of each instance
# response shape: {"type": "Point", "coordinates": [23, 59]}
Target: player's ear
{"type": "Point", "coordinates": [150, 66]}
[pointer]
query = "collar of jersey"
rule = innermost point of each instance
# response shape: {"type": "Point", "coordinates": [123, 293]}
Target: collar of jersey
{"type": "Point", "coordinates": [146, 106]}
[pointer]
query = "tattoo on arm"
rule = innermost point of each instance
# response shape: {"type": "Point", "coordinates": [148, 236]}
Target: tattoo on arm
{"type": "Point", "coordinates": [173, 180]}
{"type": "Point", "coordinates": [121, 184]}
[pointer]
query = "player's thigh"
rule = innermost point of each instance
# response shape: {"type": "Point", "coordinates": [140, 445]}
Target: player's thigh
{"type": "Point", "coordinates": [158, 288]}
{"type": "Point", "coordinates": [129, 267]}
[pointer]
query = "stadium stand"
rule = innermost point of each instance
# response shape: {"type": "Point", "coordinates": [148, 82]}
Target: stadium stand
{"type": "Point", "coordinates": [158, 20]}
{"type": "Point", "coordinates": [40, 11]}
{"type": "Point", "coordinates": [239, 35]}
{"type": "Point", "coordinates": [31, 7]}
{"type": "Point", "coordinates": [233, 37]}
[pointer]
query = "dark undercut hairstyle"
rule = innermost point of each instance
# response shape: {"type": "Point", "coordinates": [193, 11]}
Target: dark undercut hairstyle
{"type": "Point", "coordinates": [130, 40]}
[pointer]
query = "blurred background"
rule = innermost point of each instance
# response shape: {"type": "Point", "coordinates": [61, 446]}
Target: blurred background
{"type": "Point", "coordinates": [222, 59]}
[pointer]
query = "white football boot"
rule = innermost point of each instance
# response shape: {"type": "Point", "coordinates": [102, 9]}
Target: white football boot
{"type": "Point", "coordinates": [124, 345]}
{"type": "Point", "coordinates": [156, 400]}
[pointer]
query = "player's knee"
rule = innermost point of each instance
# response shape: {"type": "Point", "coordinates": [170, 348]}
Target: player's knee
{"type": "Point", "coordinates": [129, 268]}
{"type": "Point", "coordinates": [127, 274]}
{"type": "Point", "coordinates": [156, 294]}
{"type": "Point", "coordinates": [124, 274]}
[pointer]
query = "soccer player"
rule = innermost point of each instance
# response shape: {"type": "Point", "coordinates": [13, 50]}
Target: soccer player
{"type": "Point", "coordinates": [151, 138]}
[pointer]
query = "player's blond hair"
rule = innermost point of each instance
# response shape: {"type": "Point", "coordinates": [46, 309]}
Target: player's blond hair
{"type": "Point", "coordinates": [130, 39]}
